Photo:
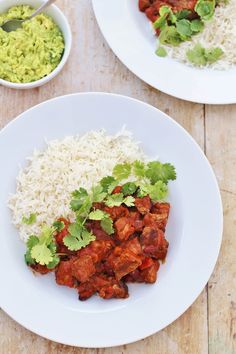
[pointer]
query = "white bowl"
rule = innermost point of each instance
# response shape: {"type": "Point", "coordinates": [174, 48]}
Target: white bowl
{"type": "Point", "coordinates": [63, 24]}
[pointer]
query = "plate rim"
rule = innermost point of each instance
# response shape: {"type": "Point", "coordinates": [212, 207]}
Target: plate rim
{"type": "Point", "coordinates": [118, 343]}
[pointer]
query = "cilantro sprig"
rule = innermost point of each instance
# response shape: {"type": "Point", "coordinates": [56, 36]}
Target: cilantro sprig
{"type": "Point", "coordinates": [42, 249]}
{"type": "Point", "coordinates": [177, 27]}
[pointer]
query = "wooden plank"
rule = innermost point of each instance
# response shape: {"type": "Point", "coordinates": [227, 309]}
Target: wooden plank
{"type": "Point", "coordinates": [221, 151]}
{"type": "Point", "coordinates": [93, 67]}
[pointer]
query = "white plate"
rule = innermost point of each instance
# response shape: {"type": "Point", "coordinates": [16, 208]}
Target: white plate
{"type": "Point", "coordinates": [194, 229]}
{"type": "Point", "coordinates": [128, 33]}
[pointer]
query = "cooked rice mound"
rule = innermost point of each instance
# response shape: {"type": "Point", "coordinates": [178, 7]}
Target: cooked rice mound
{"type": "Point", "coordinates": [44, 187]}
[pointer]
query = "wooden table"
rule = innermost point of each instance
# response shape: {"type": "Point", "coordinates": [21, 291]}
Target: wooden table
{"type": "Point", "coordinates": [209, 326]}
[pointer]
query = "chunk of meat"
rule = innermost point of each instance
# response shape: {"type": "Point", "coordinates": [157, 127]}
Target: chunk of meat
{"type": "Point", "coordinates": [97, 250]}
{"type": "Point", "coordinates": [143, 204]}
{"type": "Point", "coordinates": [117, 212]}
{"type": "Point", "coordinates": [155, 220]}
{"type": "Point", "coordinates": [154, 243]}
{"type": "Point", "coordinates": [63, 273]}
{"type": "Point", "coordinates": [124, 228]}
{"type": "Point", "coordinates": [158, 216]}
{"type": "Point", "coordinates": [134, 246]}
{"type": "Point", "coordinates": [161, 208]}
{"type": "Point", "coordinates": [115, 289]}
{"type": "Point", "coordinates": [86, 290]}
{"type": "Point", "coordinates": [107, 287]}
{"type": "Point", "coordinates": [137, 221]}
{"type": "Point", "coordinates": [83, 268]}
{"type": "Point", "coordinates": [96, 229]}
{"type": "Point", "coordinates": [123, 261]}
{"type": "Point", "coordinates": [145, 275]}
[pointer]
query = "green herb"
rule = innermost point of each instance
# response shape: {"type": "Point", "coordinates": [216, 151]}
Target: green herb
{"type": "Point", "coordinates": [158, 191]}
{"type": "Point", "coordinates": [42, 249]}
{"type": "Point", "coordinates": [183, 27]}
{"type": "Point", "coordinates": [201, 56]}
{"type": "Point", "coordinates": [197, 26]}
{"type": "Point", "coordinates": [122, 171]}
{"type": "Point", "coordinates": [30, 220]}
{"type": "Point", "coordinates": [78, 237]}
{"type": "Point", "coordinates": [182, 14]}
{"type": "Point", "coordinates": [106, 221]}
{"type": "Point", "coordinates": [129, 201]}
{"type": "Point", "coordinates": [156, 171]}
{"type": "Point", "coordinates": [213, 54]}
{"type": "Point", "coordinates": [107, 225]}
{"type": "Point", "coordinates": [129, 188]}
{"type": "Point", "coordinates": [169, 35]}
{"type": "Point", "coordinates": [114, 200]}
{"type": "Point", "coordinates": [205, 9]}
{"type": "Point", "coordinates": [58, 225]}
{"type": "Point", "coordinates": [139, 168]}
{"type": "Point", "coordinates": [79, 197]}
{"type": "Point", "coordinates": [106, 182]}
{"type": "Point", "coordinates": [161, 52]}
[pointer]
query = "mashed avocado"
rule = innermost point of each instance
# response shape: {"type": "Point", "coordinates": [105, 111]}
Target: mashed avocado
{"type": "Point", "coordinates": [31, 52]}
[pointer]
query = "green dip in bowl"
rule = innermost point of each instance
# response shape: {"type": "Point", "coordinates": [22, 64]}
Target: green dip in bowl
{"type": "Point", "coordinates": [31, 52]}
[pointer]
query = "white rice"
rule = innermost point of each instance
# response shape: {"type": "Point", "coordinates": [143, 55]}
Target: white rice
{"type": "Point", "coordinates": [44, 187]}
{"type": "Point", "coordinates": [220, 32]}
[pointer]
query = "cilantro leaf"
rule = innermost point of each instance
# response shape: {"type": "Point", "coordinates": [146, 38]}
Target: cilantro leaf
{"type": "Point", "coordinates": [169, 35]}
{"type": "Point", "coordinates": [129, 188]}
{"type": "Point", "coordinates": [197, 26]}
{"type": "Point", "coordinates": [78, 237]}
{"type": "Point", "coordinates": [59, 225]}
{"type": "Point", "coordinates": [53, 263]}
{"type": "Point", "coordinates": [97, 215]}
{"type": "Point", "coordinates": [41, 254]}
{"type": "Point", "coordinates": [46, 236]}
{"type": "Point", "coordinates": [97, 194]}
{"type": "Point", "coordinates": [72, 243]}
{"type": "Point", "coordinates": [161, 52]}
{"type": "Point", "coordinates": [183, 27]}
{"type": "Point", "coordinates": [139, 168]}
{"type": "Point", "coordinates": [107, 225]}
{"type": "Point", "coordinates": [213, 54]}
{"type": "Point", "coordinates": [32, 241]}
{"type": "Point", "coordinates": [197, 55]}
{"type": "Point", "coordinates": [75, 229]}
{"type": "Point", "coordinates": [182, 14]}
{"type": "Point", "coordinates": [157, 191]}
{"type": "Point", "coordinates": [28, 259]}
{"type": "Point", "coordinates": [41, 249]}
{"type": "Point", "coordinates": [201, 56]}
{"type": "Point", "coordinates": [106, 182]}
{"type": "Point", "coordinates": [129, 201]}
{"type": "Point", "coordinates": [30, 220]}
{"type": "Point", "coordinates": [114, 200]}
{"type": "Point", "coordinates": [205, 9]}
{"type": "Point", "coordinates": [122, 171]}
{"type": "Point", "coordinates": [156, 171]}
{"type": "Point", "coordinates": [79, 197]}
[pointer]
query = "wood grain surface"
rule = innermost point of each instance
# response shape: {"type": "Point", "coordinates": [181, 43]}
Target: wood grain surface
{"type": "Point", "coordinates": [209, 326]}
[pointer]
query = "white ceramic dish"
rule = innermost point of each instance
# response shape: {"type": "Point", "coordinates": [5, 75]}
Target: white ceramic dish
{"type": "Point", "coordinates": [194, 229]}
{"type": "Point", "coordinates": [61, 21]}
{"type": "Point", "coordinates": [129, 34]}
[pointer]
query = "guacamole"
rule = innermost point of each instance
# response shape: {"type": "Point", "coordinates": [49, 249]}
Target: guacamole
{"type": "Point", "coordinates": [31, 52]}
